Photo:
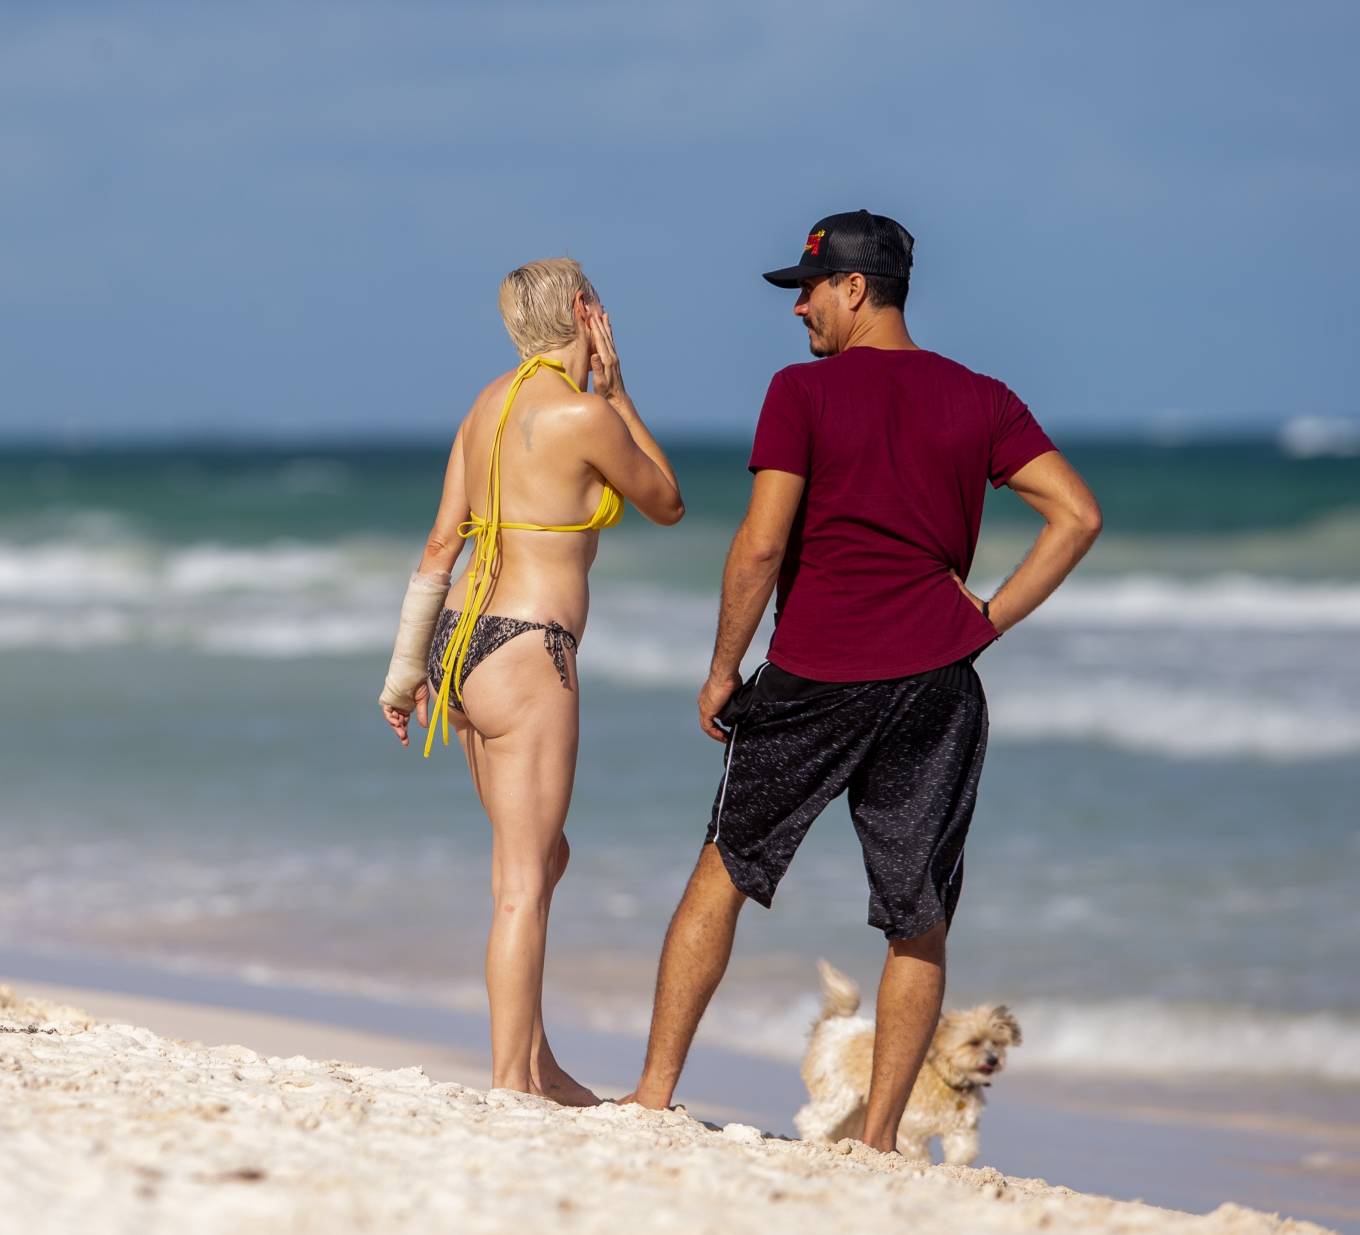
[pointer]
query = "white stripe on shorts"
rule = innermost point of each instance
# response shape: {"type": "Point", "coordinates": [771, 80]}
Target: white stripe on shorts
{"type": "Point", "coordinates": [727, 766]}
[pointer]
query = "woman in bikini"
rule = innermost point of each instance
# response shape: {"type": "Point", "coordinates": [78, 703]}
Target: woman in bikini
{"type": "Point", "coordinates": [538, 467]}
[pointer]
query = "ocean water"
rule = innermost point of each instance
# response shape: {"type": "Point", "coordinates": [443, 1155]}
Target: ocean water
{"type": "Point", "coordinates": [196, 776]}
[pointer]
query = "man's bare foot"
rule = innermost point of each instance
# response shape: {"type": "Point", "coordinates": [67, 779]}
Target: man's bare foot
{"type": "Point", "coordinates": [552, 1082]}
{"type": "Point", "coordinates": [651, 1103]}
{"type": "Point", "coordinates": [882, 1149]}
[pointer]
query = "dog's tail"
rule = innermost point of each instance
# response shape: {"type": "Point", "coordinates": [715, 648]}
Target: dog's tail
{"type": "Point", "coordinates": [840, 995]}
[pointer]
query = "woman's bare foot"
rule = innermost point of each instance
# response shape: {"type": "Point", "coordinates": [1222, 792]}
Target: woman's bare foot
{"type": "Point", "coordinates": [565, 1090]}
{"type": "Point", "coordinates": [550, 1081]}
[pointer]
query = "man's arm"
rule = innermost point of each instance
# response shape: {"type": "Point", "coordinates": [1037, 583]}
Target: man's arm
{"type": "Point", "coordinates": [748, 579]}
{"type": "Point", "coordinates": [1072, 522]}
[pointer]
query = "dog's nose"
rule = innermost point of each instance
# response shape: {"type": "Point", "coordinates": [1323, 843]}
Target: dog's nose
{"type": "Point", "coordinates": [991, 1059]}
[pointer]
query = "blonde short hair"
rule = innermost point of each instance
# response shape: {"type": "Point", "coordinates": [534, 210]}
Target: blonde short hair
{"type": "Point", "coordinates": [535, 302]}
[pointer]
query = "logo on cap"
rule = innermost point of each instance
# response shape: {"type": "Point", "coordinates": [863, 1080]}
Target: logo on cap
{"type": "Point", "coordinates": [814, 242]}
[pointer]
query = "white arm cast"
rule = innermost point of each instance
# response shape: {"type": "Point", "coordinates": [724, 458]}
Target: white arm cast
{"type": "Point", "coordinates": [425, 596]}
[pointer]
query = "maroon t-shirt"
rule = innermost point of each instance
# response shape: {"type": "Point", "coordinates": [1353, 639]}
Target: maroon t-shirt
{"type": "Point", "coordinates": [897, 448]}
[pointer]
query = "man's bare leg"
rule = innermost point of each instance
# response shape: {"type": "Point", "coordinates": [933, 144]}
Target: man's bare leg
{"type": "Point", "coordinates": [693, 961]}
{"type": "Point", "coordinates": [909, 998]}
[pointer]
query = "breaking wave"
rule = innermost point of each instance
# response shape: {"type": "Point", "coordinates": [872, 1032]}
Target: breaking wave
{"type": "Point", "coordinates": [1230, 665]}
{"type": "Point", "coordinates": [1133, 1038]}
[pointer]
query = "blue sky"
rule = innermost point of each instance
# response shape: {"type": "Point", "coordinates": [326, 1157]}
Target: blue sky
{"type": "Point", "coordinates": [291, 219]}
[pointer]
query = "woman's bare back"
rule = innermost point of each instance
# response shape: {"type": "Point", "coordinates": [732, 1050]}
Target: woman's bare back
{"type": "Point", "coordinates": [544, 479]}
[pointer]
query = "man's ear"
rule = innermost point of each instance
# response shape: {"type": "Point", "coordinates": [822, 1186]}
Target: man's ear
{"type": "Point", "coordinates": [855, 290]}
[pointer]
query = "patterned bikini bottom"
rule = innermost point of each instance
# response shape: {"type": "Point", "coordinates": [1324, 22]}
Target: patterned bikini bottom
{"type": "Point", "coordinates": [489, 634]}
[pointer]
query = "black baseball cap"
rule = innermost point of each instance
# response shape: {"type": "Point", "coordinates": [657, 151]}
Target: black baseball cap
{"type": "Point", "coordinates": [859, 241]}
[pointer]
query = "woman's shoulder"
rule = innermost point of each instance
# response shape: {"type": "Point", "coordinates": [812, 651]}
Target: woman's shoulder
{"type": "Point", "coordinates": [494, 391]}
{"type": "Point", "coordinates": [558, 411]}
{"type": "Point", "coordinates": [582, 421]}
{"type": "Point", "coordinates": [486, 403]}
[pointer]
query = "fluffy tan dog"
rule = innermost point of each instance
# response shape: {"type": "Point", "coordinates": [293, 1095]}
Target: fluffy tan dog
{"type": "Point", "coordinates": [968, 1049]}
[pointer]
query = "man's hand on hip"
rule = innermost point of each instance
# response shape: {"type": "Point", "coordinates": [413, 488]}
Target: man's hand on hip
{"type": "Point", "coordinates": [713, 698]}
{"type": "Point", "coordinates": [973, 598]}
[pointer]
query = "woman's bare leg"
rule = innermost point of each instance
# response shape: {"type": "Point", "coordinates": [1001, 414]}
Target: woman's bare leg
{"type": "Point", "coordinates": [549, 1077]}
{"type": "Point", "coordinates": [522, 754]}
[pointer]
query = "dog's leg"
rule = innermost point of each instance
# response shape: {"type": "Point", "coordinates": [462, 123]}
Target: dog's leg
{"type": "Point", "coordinates": [960, 1148]}
{"type": "Point", "coordinates": [808, 1121]}
{"type": "Point", "coordinates": [825, 1119]}
{"type": "Point", "coordinates": [915, 1148]}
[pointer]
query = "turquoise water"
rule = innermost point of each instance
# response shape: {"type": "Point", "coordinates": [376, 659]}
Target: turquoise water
{"type": "Point", "coordinates": [245, 494]}
{"type": "Point", "coordinates": [195, 774]}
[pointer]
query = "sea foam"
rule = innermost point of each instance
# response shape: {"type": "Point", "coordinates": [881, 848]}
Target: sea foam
{"type": "Point", "coordinates": [1225, 666]}
{"type": "Point", "coordinates": [1129, 1038]}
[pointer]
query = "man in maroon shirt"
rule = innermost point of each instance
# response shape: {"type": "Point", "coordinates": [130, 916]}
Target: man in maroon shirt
{"type": "Point", "coordinates": [870, 465]}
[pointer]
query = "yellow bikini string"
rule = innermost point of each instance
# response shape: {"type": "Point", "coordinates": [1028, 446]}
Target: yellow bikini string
{"type": "Point", "coordinates": [486, 549]}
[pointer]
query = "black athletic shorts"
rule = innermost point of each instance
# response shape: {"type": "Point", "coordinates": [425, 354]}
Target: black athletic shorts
{"type": "Point", "coordinates": [909, 752]}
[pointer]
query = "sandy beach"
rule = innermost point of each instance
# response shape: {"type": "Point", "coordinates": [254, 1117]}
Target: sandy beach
{"type": "Point", "coordinates": [113, 1127]}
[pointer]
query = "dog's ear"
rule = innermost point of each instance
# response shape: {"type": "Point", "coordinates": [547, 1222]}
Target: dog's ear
{"type": "Point", "coordinates": [946, 1037]}
{"type": "Point", "coordinates": [1004, 1022]}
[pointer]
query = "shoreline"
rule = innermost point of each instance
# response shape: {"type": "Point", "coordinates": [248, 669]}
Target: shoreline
{"type": "Point", "coordinates": [1191, 1146]}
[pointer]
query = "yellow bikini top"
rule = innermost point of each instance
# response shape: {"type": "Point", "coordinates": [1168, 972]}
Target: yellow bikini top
{"type": "Point", "coordinates": [486, 531]}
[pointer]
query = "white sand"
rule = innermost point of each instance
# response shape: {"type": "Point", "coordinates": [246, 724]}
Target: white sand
{"type": "Point", "coordinates": [112, 1128]}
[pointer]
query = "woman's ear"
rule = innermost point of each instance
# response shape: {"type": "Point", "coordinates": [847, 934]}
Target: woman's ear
{"type": "Point", "coordinates": [580, 307]}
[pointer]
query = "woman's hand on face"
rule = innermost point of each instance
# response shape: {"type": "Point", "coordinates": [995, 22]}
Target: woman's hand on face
{"type": "Point", "coordinates": [400, 721]}
{"type": "Point", "coordinates": [604, 359]}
